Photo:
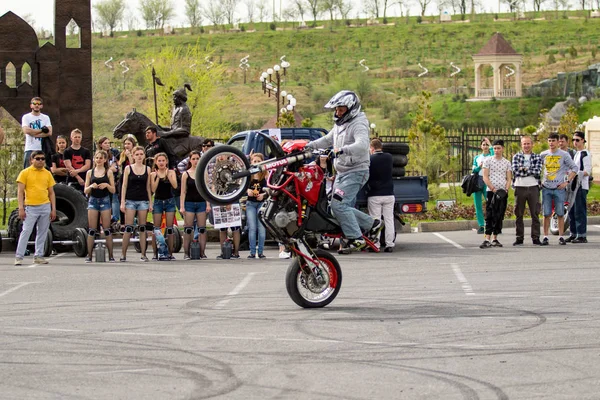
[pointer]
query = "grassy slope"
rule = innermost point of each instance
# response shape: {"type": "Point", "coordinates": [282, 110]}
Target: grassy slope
{"type": "Point", "coordinates": [324, 60]}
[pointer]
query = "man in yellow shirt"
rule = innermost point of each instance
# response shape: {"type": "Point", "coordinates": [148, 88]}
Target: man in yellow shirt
{"type": "Point", "coordinates": [37, 205]}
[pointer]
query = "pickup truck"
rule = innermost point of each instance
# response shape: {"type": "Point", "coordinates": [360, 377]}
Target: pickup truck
{"type": "Point", "coordinates": [410, 191]}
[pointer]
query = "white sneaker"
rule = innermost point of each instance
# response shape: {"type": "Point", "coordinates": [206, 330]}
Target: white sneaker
{"type": "Point", "coordinates": [18, 261]}
{"type": "Point", "coordinates": [39, 260]}
{"type": "Point", "coordinates": [284, 255]}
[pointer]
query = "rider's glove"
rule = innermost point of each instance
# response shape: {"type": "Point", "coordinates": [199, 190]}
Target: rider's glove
{"type": "Point", "coordinates": [45, 129]}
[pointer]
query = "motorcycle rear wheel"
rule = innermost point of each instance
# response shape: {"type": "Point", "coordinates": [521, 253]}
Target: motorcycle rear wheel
{"type": "Point", "coordinates": [554, 223]}
{"type": "Point", "coordinates": [303, 289]}
{"type": "Point", "coordinates": [214, 175]}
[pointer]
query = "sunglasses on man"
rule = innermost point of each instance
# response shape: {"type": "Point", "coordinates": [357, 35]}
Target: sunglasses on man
{"type": "Point", "coordinates": [36, 104]}
{"type": "Point", "coordinates": [39, 158]}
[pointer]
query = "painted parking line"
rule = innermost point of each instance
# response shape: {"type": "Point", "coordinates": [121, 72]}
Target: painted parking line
{"type": "Point", "coordinates": [236, 290]}
{"type": "Point", "coordinates": [466, 286]}
{"type": "Point", "coordinates": [452, 242]}
{"type": "Point", "coordinates": [15, 288]}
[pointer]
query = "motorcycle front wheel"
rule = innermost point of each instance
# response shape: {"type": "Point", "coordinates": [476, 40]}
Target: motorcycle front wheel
{"type": "Point", "coordinates": [303, 287]}
{"type": "Point", "coordinates": [214, 175]}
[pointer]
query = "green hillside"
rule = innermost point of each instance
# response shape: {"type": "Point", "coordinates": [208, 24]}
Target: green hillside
{"type": "Point", "coordinates": [326, 59]}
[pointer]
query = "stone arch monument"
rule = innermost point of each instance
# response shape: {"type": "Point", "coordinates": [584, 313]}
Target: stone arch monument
{"type": "Point", "coordinates": [61, 76]}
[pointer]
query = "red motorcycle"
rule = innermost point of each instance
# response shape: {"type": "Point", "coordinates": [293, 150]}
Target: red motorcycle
{"type": "Point", "coordinates": [297, 206]}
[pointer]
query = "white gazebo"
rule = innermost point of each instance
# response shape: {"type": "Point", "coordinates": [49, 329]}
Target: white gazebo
{"type": "Point", "coordinates": [506, 64]}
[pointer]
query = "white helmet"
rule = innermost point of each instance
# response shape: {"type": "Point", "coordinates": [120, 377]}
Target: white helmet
{"type": "Point", "coordinates": [345, 98]}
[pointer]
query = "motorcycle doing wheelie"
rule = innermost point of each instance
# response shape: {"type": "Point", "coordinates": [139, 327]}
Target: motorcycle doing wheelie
{"type": "Point", "coordinates": [296, 206]}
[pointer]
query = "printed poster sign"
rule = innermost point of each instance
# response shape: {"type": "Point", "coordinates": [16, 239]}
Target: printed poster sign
{"type": "Point", "coordinates": [227, 216]}
{"type": "Point", "coordinates": [275, 134]}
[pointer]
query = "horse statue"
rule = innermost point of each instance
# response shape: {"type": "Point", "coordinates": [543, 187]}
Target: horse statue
{"type": "Point", "coordinates": [135, 123]}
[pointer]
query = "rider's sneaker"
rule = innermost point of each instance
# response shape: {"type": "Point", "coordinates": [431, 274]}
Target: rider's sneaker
{"type": "Point", "coordinates": [375, 229]}
{"type": "Point", "coordinates": [352, 245]}
{"type": "Point", "coordinates": [284, 255]}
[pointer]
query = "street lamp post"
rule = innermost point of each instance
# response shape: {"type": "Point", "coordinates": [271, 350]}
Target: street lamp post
{"type": "Point", "coordinates": [271, 81]}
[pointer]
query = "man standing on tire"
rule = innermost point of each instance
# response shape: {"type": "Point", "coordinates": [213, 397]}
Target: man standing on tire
{"type": "Point", "coordinates": [380, 191]}
{"type": "Point", "coordinates": [349, 138]}
{"type": "Point", "coordinates": [37, 206]}
{"type": "Point", "coordinates": [526, 168]}
{"type": "Point", "coordinates": [35, 126]}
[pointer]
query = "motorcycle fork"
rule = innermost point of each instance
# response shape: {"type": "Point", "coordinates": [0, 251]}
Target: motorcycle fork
{"type": "Point", "coordinates": [309, 262]}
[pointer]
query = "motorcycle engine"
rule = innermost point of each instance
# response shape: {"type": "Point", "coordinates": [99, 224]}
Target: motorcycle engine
{"type": "Point", "coordinates": [283, 218]}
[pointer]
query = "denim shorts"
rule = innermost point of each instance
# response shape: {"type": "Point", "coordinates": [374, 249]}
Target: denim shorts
{"type": "Point", "coordinates": [559, 196]}
{"type": "Point", "coordinates": [138, 205]}
{"type": "Point", "coordinates": [99, 203]}
{"type": "Point", "coordinates": [195, 206]}
{"type": "Point", "coordinates": [161, 206]}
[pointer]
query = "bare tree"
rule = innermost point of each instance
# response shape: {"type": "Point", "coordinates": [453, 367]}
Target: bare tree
{"type": "Point", "coordinates": [193, 13]}
{"type": "Point", "coordinates": [250, 9]}
{"type": "Point", "coordinates": [560, 4]}
{"type": "Point", "coordinates": [110, 13]}
{"type": "Point", "coordinates": [329, 6]}
{"type": "Point", "coordinates": [213, 12]}
{"type": "Point", "coordinates": [372, 7]}
{"type": "Point", "coordinates": [423, 4]}
{"type": "Point", "coordinates": [300, 8]}
{"type": "Point", "coordinates": [229, 7]}
{"type": "Point", "coordinates": [582, 2]}
{"type": "Point", "coordinates": [537, 4]}
{"type": "Point", "coordinates": [315, 9]}
{"type": "Point", "coordinates": [263, 10]}
{"type": "Point", "coordinates": [345, 7]}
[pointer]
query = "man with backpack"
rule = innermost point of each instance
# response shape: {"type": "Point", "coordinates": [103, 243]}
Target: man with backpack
{"type": "Point", "coordinates": [578, 212]}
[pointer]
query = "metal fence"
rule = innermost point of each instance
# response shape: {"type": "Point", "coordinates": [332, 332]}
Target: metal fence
{"type": "Point", "coordinates": [464, 145]}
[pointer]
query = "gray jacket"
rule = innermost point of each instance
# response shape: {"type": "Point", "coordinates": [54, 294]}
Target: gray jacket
{"type": "Point", "coordinates": [557, 166]}
{"type": "Point", "coordinates": [353, 139]}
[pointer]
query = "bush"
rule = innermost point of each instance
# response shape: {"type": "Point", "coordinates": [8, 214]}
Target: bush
{"type": "Point", "coordinates": [551, 59]}
{"type": "Point", "coordinates": [273, 26]}
{"type": "Point", "coordinates": [419, 19]}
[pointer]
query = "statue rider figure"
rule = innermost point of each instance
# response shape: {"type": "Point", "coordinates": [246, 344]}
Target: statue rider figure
{"type": "Point", "coordinates": [181, 119]}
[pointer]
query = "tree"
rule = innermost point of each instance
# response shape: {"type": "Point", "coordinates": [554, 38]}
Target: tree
{"type": "Point", "coordinates": [156, 13]}
{"type": "Point", "coordinates": [193, 13]}
{"type": "Point", "coordinates": [582, 2]}
{"type": "Point", "coordinates": [229, 7]}
{"type": "Point", "coordinates": [568, 122]}
{"type": "Point", "coordinates": [428, 143]}
{"type": "Point", "coordinates": [300, 7]}
{"type": "Point", "coordinates": [110, 13]}
{"type": "Point", "coordinates": [250, 9]}
{"type": "Point", "coordinates": [315, 9]}
{"type": "Point", "coordinates": [11, 160]}
{"type": "Point", "coordinates": [344, 8]}
{"type": "Point", "coordinates": [372, 8]}
{"type": "Point", "coordinates": [329, 6]}
{"type": "Point", "coordinates": [423, 4]}
{"type": "Point", "coordinates": [537, 4]}
{"type": "Point", "coordinates": [213, 12]}
{"type": "Point", "coordinates": [263, 10]}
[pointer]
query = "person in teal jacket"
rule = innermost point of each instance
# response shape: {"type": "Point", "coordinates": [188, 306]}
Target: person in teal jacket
{"type": "Point", "coordinates": [478, 197]}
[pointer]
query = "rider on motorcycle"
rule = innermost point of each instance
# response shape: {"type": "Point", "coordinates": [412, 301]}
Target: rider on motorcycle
{"type": "Point", "coordinates": [349, 138]}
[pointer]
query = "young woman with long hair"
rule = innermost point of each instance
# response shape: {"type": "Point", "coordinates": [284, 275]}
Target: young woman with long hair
{"type": "Point", "coordinates": [163, 180]}
{"type": "Point", "coordinates": [136, 194]}
{"type": "Point", "coordinates": [193, 206]}
{"type": "Point", "coordinates": [104, 143]}
{"type": "Point", "coordinates": [256, 196]}
{"type": "Point", "coordinates": [99, 185]}
{"type": "Point", "coordinates": [58, 168]}
{"type": "Point", "coordinates": [125, 159]}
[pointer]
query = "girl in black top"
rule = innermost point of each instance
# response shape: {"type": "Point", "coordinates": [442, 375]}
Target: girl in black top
{"type": "Point", "coordinates": [135, 199]}
{"type": "Point", "coordinates": [99, 184]}
{"type": "Point", "coordinates": [162, 182]}
{"type": "Point", "coordinates": [58, 169]}
{"type": "Point", "coordinates": [193, 206]}
{"type": "Point", "coordinates": [125, 159]}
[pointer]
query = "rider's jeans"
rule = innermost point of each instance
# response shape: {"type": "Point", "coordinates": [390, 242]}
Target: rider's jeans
{"type": "Point", "coordinates": [254, 224]}
{"type": "Point", "coordinates": [345, 189]}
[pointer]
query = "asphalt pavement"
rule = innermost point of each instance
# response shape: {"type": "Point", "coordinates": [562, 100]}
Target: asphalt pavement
{"type": "Point", "coordinates": [438, 318]}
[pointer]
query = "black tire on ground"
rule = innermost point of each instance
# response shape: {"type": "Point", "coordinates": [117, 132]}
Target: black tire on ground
{"type": "Point", "coordinates": [0, 242]}
{"type": "Point", "coordinates": [71, 210]}
{"type": "Point", "coordinates": [396, 148]}
{"type": "Point", "coordinates": [48, 244]}
{"type": "Point", "coordinates": [13, 225]}
{"type": "Point", "coordinates": [177, 240]}
{"type": "Point", "coordinates": [399, 160]}
{"type": "Point", "coordinates": [398, 172]}
{"type": "Point", "coordinates": [296, 282]}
